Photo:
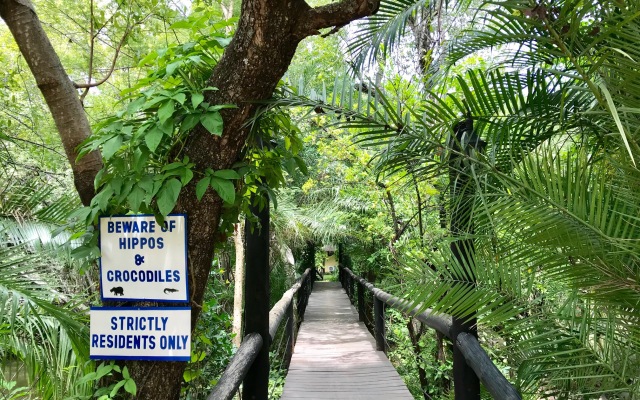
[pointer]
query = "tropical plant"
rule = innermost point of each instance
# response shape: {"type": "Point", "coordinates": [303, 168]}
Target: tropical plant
{"type": "Point", "coordinates": [42, 311]}
{"type": "Point", "coordinates": [553, 212]}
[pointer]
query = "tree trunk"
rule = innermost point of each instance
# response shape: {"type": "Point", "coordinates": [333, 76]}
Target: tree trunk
{"type": "Point", "coordinates": [258, 56]}
{"type": "Point", "coordinates": [417, 352]}
{"type": "Point", "coordinates": [238, 291]}
{"type": "Point", "coordinates": [57, 90]}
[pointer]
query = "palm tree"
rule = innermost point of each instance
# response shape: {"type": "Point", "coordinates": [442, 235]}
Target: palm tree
{"type": "Point", "coordinates": [554, 206]}
{"type": "Point", "coordinates": [43, 319]}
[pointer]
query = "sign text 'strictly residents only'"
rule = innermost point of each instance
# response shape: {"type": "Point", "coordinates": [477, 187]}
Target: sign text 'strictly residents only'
{"type": "Point", "coordinates": [142, 259]}
{"type": "Point", "coordinates": [146, 333]}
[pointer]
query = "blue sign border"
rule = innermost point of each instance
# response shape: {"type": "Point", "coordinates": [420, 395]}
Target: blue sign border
{"type": "Point", "coordinates": [141, 358]}
{"type": "Point", "coordinates": [112, 308]}
{"type": "Point", "coordinates": [186, 260]}
{"type": "Point", "coordinates": [147, 358]}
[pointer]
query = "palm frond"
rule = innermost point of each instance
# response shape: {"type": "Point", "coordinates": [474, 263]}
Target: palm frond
{"type": "Point", "coordinates": [41, 326]}
{"type": "Point", "coordinates": [591, 45]}
{"type": "Point", "coordinates": [380, 34]}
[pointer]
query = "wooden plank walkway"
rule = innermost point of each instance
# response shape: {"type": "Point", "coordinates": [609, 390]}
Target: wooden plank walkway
{"type": "Point", "coordinates": [335, 356]}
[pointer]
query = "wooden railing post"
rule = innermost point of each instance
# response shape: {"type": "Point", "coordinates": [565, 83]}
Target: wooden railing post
{"type": "Point", "coordinates": [291, 335]}
{"type": "Point", "coordinates": [257, 294]}
{"type": "Point", "coordinates": [466, 383]}
{"type": "Point", "coordinates": [378, 315]}
{"type": "Point", "coordinates": [301, 301]}
{"type": "Point", "coordinates": [360, 301]}
{"type": "Point", "coordinates": [352, 290]}
{"type": "Point", "coordinates": [347, 286]}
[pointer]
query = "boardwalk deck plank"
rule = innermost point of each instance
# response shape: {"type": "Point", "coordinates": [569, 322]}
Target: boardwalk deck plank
{"type": "Point", "coordinates": [335, 356]}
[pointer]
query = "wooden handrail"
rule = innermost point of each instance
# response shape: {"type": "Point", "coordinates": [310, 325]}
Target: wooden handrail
{"type": "Point", "coordinates": [279, 309]}
{"type": "Point", "coordinates": [478, 359]}
{"type": "Point", "coordinates": [235, 372]}
{"type": "Point", "coordinates": [237, 368]}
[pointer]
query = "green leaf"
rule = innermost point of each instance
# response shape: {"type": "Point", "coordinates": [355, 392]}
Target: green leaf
{"type": "Point", "coordinates": [102, 370]}
{"type": "Point", "coordinates": [196, 99]}
{"type": "Point", "coordinates": [148, 59]}
{"type": "Point", "coordinates": [88, 377]}
{"type": "Point", "coordinates": [167, 126]}
{"type": "Point", "coordinates": [140, 156]}
{"type": "Point", "coordinates": [179, 97]}
{"type": "Point", "coordinates": [130, 386]}
{"type": "Point", "coordinates": [81, 252]}
{"type": "Point", "coordinates": [172, 67]}
{"type": "Point", "coordinates": [136, 105]}
{"type": "Point", "coordinates": [202, 186]}
{"type": "Point", "coordinates": [227, 174]}
{"type": "Point", "coordinates": [183, 24]}
{"type": "Point", "coordinates": [219, 107]}
{"type": "Point", "coordinates": [616, 118]}
{"type": "Point", "coordinates": [199, 356]}
{"type": "Point", "coordinates": [224, 188]}
{"type": "Point", "coordinates": [166, 111]}
{"type": "Point", "coordinates": [111, 146]}
{"type": "Point", "coordinates": [102, 198]}
{"type": "Point", "coordinates": [157, 185]}
{"type": "Point", "coordinates": [173, 165]}
{"type": "Point", "coordinates": [222, 41]}
{"type": "Point", "coordinates": [189, 122]}
{"type": "Point", "coordinates": [168, 196]}
{"type": "Point", "coordinates": [116, 388]}
{"type": "Point", "coordinates": [213, 122]}
{"type": "Point", "coordinates": [116, 185]}
{"type": "Point", "coordinates": [146, 183]}
{"type": "Point", "coordinates": [190, 375]}
{"type": "Point", "coordinates": [125, 373]}
{"type": "Point", "coordinates": [185, 176]}
{"type": "Point", "coordinates": [135, 198]}
{"type": "Point", "coordinates": [302, 166]}
{"type": "Point", "coordinates": [153, 138]}
{"type": "Point", "coordinates": [205, 340]}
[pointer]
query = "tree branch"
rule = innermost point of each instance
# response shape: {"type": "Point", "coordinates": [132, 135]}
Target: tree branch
{"type": "Point", "coordinates": [89, 84]}
{"type": "Point", "coordinates": [334, 15]}
{"type": "Point", "coordinates": [56, 88]}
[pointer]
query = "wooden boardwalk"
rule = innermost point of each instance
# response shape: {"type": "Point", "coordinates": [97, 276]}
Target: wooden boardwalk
{"type": "Point", "coordinates": [335, 356]}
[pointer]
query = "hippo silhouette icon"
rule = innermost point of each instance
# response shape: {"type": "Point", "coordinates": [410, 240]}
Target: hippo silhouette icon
{"type": "Point", "coordinates": [117, 291]}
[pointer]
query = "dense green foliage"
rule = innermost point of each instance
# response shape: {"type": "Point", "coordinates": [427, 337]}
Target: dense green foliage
{"type": "Point", "coordinates": [357, 151]}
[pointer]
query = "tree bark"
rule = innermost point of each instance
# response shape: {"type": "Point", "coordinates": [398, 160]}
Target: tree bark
{"type": "Point", "coordinates": [57, 90]}
{"type": "Point", "coordinates": [238, 291]}
{"type": "Point", "coordinates": [258, 56]}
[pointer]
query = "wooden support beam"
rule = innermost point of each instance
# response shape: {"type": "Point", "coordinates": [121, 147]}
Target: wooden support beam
{"type": "Point", "coordinates": [360, 301]}
{"type": "Point", "coordinates": [466, 384]}
{"type": "Point", "coordinates": [487, 371]}
{"type": "Point", "coordinates": [290, 335]}
{"type": "Point", "coordinates": [352, 290]}
{"type": "Point", "coordinates": [257, 297]}
{"type": "Point", "coordinates": [378, 312]}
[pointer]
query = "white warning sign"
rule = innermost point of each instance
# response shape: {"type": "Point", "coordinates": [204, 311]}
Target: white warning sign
{"type": "Point", "coordinates": [141, 333]}
{"type": "Point", "coordinates": [143, 260]}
